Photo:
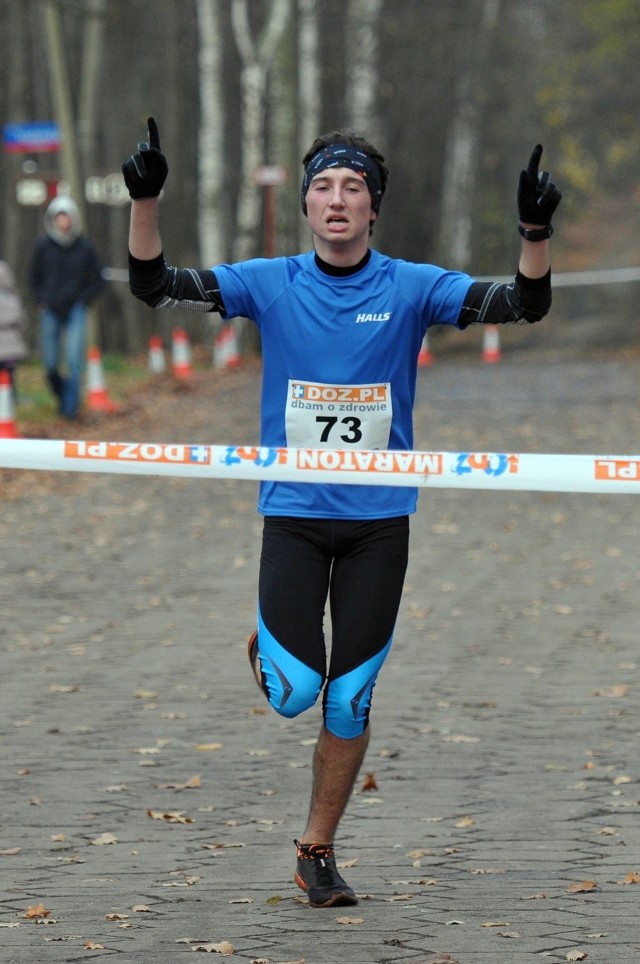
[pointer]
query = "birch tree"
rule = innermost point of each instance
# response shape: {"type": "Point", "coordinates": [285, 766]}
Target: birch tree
{"type": "Point", "coordinates": [363, 18]}
{"type": "Point", "coordinates": [461, 157]}
{"type": "Point", "coordinates": [308, 75]}
{"type": "Point", "coordinates": [309, 103]}
{"type": "Point", "coordinates": [211, 135]}
{"type": "Point", "coordinates": [257, 56]}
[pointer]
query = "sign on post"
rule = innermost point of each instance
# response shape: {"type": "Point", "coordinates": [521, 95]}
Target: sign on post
{"type": "Point", "coordinates": [270, 175]}
{"type": "Point", "coordinates": [31, 138]}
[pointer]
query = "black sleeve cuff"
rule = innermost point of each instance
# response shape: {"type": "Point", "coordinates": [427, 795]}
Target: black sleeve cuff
{"type": "Point", "coordinates": [150, 266]}
{"type": "Point", "coordinates": [534, 283]}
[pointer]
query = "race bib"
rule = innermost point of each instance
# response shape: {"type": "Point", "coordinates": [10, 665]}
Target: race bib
{"type": "Point", "coordinates": [338, 416]}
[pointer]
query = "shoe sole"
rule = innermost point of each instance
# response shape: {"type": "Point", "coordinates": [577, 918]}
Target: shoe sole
{"type": "Point", "coordinates": [336, 900]}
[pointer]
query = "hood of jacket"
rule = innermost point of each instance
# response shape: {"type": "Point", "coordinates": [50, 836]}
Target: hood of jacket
{"type": "Point", "coordinates": [68, 206]}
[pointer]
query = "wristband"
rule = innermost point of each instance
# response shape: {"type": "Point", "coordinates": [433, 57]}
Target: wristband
{"type": "Point", "coordinates": [536, 234]}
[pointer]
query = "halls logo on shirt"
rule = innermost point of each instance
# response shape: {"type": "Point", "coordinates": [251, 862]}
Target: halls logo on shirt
{"type": "Point", "coordinates": [366, 316]}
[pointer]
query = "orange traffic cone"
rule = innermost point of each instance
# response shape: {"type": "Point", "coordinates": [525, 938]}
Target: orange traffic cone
{"type": "Point", "coordinates": [155, 356]}
{"type": "Point", "coordinates": [8, 427]}
{"type": "Point", "coordinates": [181, 354]}
{"type": "Point", "coordinates": [491, 352]}
{"type": "Point", "coordinates": [425, 357]}
{"type": "Point", "coordinates": [225, 348]}
{"type": "Point", "coordinates": [97, 397]}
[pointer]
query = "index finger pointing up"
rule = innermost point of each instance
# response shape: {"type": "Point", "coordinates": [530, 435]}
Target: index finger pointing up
{"type": "Point", "coordinates": [154, 136]}
{"type": "Point", "coordinates": [534, 161]}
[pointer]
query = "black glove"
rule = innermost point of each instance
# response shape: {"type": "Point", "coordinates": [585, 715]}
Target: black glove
{"type": "Point", "coordinates": [145, 171]}
{"type": "Point", "coordinates": [538, 197]}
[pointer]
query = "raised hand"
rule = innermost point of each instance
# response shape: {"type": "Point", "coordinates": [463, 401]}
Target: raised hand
{"type": "Point", "coordinates": [538, 196]}
{"type": "Point", "coordinates": [146, 170]}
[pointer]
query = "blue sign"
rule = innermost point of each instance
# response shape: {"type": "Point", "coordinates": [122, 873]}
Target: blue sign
{"type": "Point", "coordinates": [31, 138]}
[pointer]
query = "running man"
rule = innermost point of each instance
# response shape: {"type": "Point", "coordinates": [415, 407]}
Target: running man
{"type": "Point", "coordinates": [341, 328]}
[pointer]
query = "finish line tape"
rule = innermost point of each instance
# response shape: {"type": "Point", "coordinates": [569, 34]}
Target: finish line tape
{"type": "Point", "coordinates": [463, 470]}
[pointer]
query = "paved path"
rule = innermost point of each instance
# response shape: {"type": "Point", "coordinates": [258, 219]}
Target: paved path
{"type": "Point", "coordinates": [148, 802]}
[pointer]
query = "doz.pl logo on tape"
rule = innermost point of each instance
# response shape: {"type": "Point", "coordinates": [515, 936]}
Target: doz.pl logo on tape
{"type": "Point", "coordinates": [621, 470]}
{"type": "Point", "coordinates": [139, 452]}
{"type": "Point", "coordinates": [494, 463]}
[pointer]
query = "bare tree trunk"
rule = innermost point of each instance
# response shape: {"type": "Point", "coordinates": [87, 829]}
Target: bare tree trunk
{"type": "Point", "coordinates": [61, 99]}
{"type": "Point", "coordinates": [18, 83]}
{"type": "Point", "coordinates": [256, 58]}
{"type": "Point", "coordinates": [282, 146]}
{"type": "Point", "coordinates": [309, 102]}
{"type": "Point", "coordinates": [211, 139]}
{"type": "Point", "coordinates": [92, 51]}
{"type": "Point", "coordinates": [459, 180]}
{"type": "Point", "coordinates": [363, 17]}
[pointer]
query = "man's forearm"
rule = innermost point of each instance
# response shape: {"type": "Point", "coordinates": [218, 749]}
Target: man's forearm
{"type": "Point", "coordinates": [145, 242]}
{"type": "Point", "coordinates": [535, 260]}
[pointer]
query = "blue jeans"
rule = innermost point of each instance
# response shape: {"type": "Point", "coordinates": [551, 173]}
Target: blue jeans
{"type": "Point", "coordinates": [71, 330]}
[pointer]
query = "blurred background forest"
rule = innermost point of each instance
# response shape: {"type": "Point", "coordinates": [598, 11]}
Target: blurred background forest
{"type": "Point", "coordinates": [455, 94]}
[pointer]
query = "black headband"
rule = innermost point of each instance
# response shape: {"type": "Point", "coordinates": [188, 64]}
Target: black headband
{"type": "Point", "coordinates": [343, 155]}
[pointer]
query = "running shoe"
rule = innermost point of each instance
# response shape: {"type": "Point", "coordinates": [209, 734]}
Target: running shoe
{"type": "Point", "coordinates": [317, 875]}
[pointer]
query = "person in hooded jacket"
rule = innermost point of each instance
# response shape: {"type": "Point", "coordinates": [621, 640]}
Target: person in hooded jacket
{"type": "Point", "coordinates": [65, 278]}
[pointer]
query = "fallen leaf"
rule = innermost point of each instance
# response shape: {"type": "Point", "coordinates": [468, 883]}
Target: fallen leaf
{"type": "Point", "coordinates": [223, 948]}
{"type": "Point", "coordinates": [116, 788]}
{"type": "Point", "coordinates": [104, 839]}
{"type": "Point", "coordinates": [39, 910]}
{"type": "Point", "coordinates": [539, 896]}
{"type": "Point", "coordinates": [615, 691]}
{"type": "Point", "coordinates": [619, 781]}
{"type": "Point", "coordinates": [465, 822]}
{"type": "Point", "coordinates": [441, 959]}
{"type": "Point", "coordinates": [633, 877]}
{"type": "Point", "coordinates": [582, 888]}
{"type": "Point", "coordinates": [242, 900]}
{"type": "Point", "coordinates": [93, 946]}
{"type": "Point", "coordinates": [146, 750]}
{"type": "Point", "coordinates": [510, 935]}
{"type": "Point", "coordinates": [141, 909]}
{"type": "Point", "coordinates": [117, 917]}
{"type": "Point", "coordinates": [170, 816]}
{"type": "Point", "coordinates": [608, 832]}
{"type": "Point", "coordinates": [350, 920]}
{"type": "Point", "coordinates": [146, 695]}
{"type": "Point", "coordinates": [274, 901]}
{"type": "Point", "coordinates": [191, 784]}
{"type": "Point", "coordinates": [345, 864]}
{"type": "Point", "coordinates": [10, 852]}
{"type": "Point", "coordinates": [576, 956]}
{"type": "Point", "coordinates": [369, 782]}
{"type": "Point", "coordinates": [220, 846]}
{"type": "Point", "coordinates": [502, 923]}
{"type": "Point", "coordinates": [460, 738]}
{"type": "Point", "coordinates": [206, 747]}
